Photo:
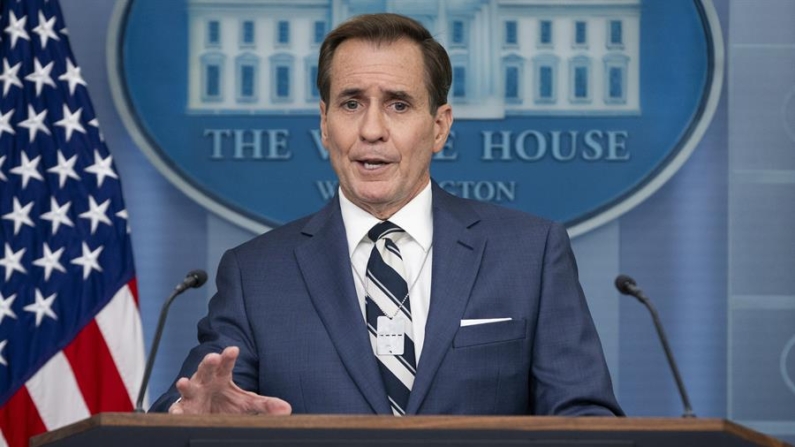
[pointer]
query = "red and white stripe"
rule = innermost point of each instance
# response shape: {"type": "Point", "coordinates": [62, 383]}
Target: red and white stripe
{"type": "Point", "coordinates": [99, 371]}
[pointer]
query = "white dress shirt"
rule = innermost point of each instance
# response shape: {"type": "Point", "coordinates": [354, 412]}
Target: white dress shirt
{"type": "Point", "coordinates": [416, 218]}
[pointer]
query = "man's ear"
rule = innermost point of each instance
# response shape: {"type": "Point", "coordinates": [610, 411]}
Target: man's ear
{"type": "Point", "coordinates": [443, 122]}
{"type": "Point", "coordinates": [323, 123]}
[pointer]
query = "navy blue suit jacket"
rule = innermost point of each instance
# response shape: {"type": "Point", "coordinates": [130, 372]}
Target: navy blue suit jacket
{"type": "Point", "coordinates": [287, 299]}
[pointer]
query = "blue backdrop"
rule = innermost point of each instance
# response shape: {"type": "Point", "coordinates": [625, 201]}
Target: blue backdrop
{"type": "Point", "coordinates": [712, 247]}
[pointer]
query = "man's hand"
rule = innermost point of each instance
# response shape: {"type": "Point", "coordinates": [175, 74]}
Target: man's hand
{"type": "Point", "coordinates": [211, 390]}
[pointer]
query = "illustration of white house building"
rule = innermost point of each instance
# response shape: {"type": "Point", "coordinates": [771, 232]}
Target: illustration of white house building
{"type": "Point", "coordinates": [509, 57]}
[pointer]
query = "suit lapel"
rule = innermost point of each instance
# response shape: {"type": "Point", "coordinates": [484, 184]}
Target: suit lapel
{"type": "Point", "coordinates": [325, 266]}
{"type": "Point", "coordinates": [457, 253]}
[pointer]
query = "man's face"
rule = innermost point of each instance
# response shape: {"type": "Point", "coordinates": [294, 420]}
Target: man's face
{"type": "Point", "coordinates": [377, 125]}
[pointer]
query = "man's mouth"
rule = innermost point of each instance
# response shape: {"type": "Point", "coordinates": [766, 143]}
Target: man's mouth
{"type": "Point", "coordinates": [372, 165]}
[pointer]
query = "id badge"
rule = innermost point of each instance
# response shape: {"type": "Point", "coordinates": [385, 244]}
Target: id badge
{"type": "Point", "coordinates": [389, 336]}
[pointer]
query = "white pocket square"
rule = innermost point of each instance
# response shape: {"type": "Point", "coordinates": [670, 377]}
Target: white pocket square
{"type": "Point", "coordinates": [477, 321]}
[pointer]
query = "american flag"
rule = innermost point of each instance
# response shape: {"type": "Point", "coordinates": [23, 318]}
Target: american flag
{"type": "Point", "coordinates": [71, 342]}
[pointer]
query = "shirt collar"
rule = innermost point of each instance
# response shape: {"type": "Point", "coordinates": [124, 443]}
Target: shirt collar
{"type": "Point", "coordinates": [416, 218]}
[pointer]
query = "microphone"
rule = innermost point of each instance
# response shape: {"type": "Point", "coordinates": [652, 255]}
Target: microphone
{"type": "Point", "coordinates": [628, 286]}
{"type": "Point", "coordinates": [194, 279]}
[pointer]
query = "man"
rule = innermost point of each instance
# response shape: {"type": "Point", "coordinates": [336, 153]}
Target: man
{"type": "Point", "coordinates": [396, 298]}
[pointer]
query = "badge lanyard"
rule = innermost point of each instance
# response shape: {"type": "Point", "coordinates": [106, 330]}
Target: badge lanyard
{"type": "Point", "coordinates": [391, 331]}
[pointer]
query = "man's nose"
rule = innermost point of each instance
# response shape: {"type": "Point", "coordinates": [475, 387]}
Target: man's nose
{"type": "Point", "coordinates": [373, 126]}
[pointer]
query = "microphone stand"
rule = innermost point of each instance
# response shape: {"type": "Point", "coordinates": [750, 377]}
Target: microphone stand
{"type": "Point", "coordinates": [194, 279]}
{"type": "Point", "coordinates": [628, 286]}
{"type": "Point", "coordinates": [669, 354]}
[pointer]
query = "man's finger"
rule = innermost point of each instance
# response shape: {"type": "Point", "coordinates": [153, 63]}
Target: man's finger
{"type": "Point", "coordinates": [274, 406]}
{"type": "Point", "coordinates": [186, 388]}
{"type": "Point", "coordinates": [207, 368]}
{"type": "Point", "coordinates": [176, 408]}
{"type": "Point", "coordinates": [227, 363]}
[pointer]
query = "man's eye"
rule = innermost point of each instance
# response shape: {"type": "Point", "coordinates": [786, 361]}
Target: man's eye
{"type": "Point", "coordinates": [350, 105]}
{"type": "Point", "coordinates": [400, 106]}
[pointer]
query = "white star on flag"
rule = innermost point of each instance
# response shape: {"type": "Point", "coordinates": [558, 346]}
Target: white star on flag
{"type": "Point", "coordinates": [42, 307]}
{"type": "Point", "coordinates": [16, 29]}
{"type": "Point", "coordinates": [41, 76]}
{"type": "Point", "coordinates": [45, 29]}
{"type": "Point", "coordinates": [50, 260]}
{"type": "Point", "coordinates": [123, 215]}
{"type": "Point", "coordinates": [102, 168]}
{"type": "Point", "coordinates": [5, 120]}
{"type": "Point", "coordinates": [28, 169]}
{"type": "Point", "coordinates": [71, 122]}
{"type": "Point", "coordinates": [11, 261]}
{"type": "Point", "coordinates": [73, 77]}
{"type": "Point", "coordinates": [35, 122]}
{"type": "Point", "coordinates": [95, 123]}
{"type": "Point", "coordinates": [72, 273]}
{"type": "Point", "coordinates": [89, 260]}
{"type": "Point", "coordinates": [9, 76]}
{"type": "Point", "coordinates": [5, 307]}
{"type": "Point", "coordinates": [58, 214]}
{"type": "Point", "coordinates": [65, 169]}
{"type": "Point", "coordinates": [97, 213]}
{"type": "Point", "coordinates": [20, 215]}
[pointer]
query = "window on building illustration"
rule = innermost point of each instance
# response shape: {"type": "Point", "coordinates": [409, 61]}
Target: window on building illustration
{"type": "Point", "coordinates": [546, 82]}
{"type": "Point", "coordinates": [320, 31]}
{"type": "Point", "coordinates": [459, 33]}
{"type": "Point", "coordinates": [581, 82]}
{"type": "Point", "coordinates": [247, 80]}
{"type": "Point", "coordinates": [512, 83]}
{"type": "Point", "coordinates": [212, 77]}
{"type": "Point", "coordinates": [283, 32]}
{"type": "Point", "coordinates": [616, 83]}
{"type": "Point", "coordinates": [615, 33]}
{"type": "Point", "coordinates": [579, 79]}
{"type": "Point", "coordinates": [615, 75]}
{"type": "Point", "coordinates": [247, 33]}
{"type": "Point", "coordinates": [511, 33]}
{"type": "Point", "coordinates": [281, 77]}
{"type": "Point", "coordinates": [459, 82]}
{"type": "Point", "coordinates": [246, 73]}
{"type": "Point", "coordinates": [314, 93]}
{"type": "Point", "coordinates": [282, 82]}
{"type": "Point", "coordinates": [580, 33]}
{"type": "Point", "coordinates": [213, 33]}
{"type": "Point", "coordinates": [545, 78]}
{"type": "Point", "coordinates": [212, 88]}
{"type": "Point", "coordinates": [545, 32]}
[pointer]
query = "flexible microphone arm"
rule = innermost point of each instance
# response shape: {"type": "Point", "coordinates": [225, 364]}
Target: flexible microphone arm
{"type": "Point", "coordinates": [194, 279]}
{"type": "Point", "coordinates": [628, 286]}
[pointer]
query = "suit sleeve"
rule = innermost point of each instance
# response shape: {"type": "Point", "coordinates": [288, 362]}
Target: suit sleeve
{"type": "Point", "coordinates": [570, 375]}
{"type": "Point", "coordinates": [226, 324]}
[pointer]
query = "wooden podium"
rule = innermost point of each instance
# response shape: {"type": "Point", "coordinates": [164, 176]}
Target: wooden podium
{"type": "Point", "coordinates": [155, 430]}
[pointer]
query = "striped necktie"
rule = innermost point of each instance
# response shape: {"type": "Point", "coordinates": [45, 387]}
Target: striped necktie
{"type": "Point", "coordinates": [387, 296]}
